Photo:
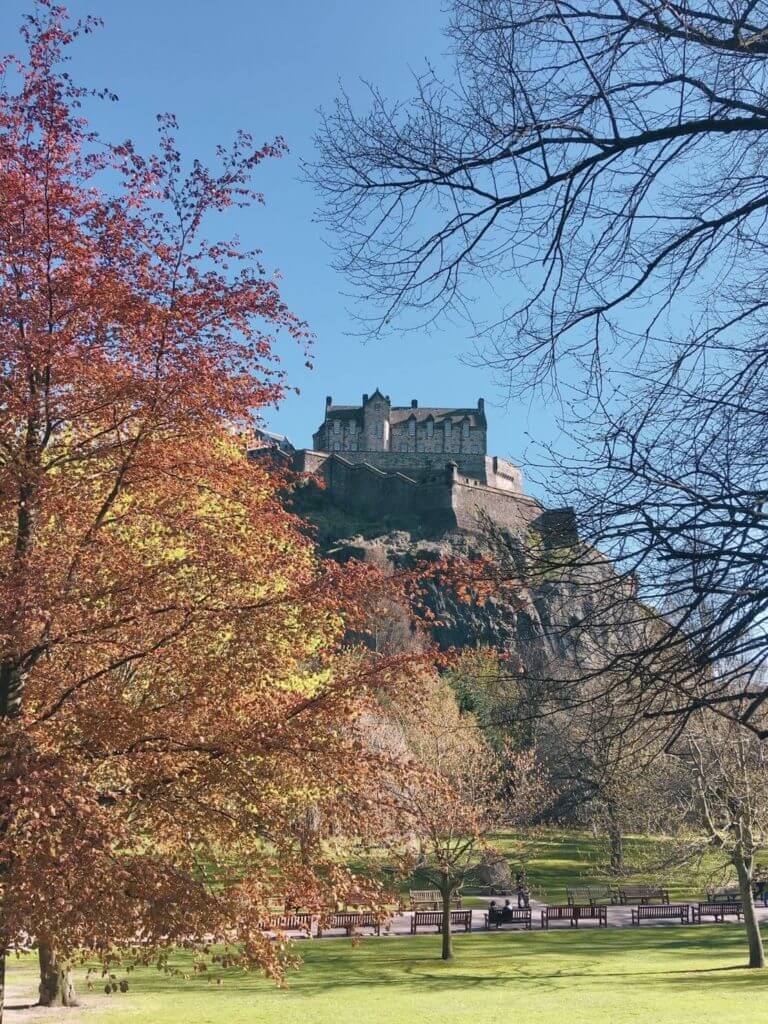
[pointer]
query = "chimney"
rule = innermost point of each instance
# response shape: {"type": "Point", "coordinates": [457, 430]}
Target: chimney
{"type": "Point", "coordinates": [481, 406]}
{"type": "Point", "coordinates": [328, 401]}
{"type": "Point", "coordinates": [365, 399]}
{"type": "Point", "coordinates": [414, 403]}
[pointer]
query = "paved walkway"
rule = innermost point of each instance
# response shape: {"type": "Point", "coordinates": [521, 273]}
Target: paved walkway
{"type": "Point", "coordinates": [618, 917]}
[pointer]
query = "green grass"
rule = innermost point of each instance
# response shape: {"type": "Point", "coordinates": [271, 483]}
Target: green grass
{"type": "Point", "coordinates": [659, 975]}
{"type": "Point", "coordinates": [557, 859]}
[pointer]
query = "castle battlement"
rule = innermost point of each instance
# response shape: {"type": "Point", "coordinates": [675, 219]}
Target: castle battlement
{"type": "Point", "coordinates": [425, 467]}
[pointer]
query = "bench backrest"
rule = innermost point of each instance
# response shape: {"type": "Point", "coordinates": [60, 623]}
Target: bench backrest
{"type": "Point", "coordinates": [660, 910]}
{"type": "Point", "coordinates": [578, 895]}
{"type": "Point", "coordinates": [436, 916]}
{"type": "Point", "coordinates": [345, 919]}
{"type": "Point", "coordinates": [425, 895]}
{"type": "Point", "coordinates": [560, 911]}
{"type": "Point", "coordinates": [290, 921]}
{"type": "Point", "coordinates": [720, 907]}
{"type": "Point", "coordinates": [723, 894]}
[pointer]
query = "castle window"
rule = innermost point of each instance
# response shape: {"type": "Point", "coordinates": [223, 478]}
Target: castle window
{"type": "Point", "coordinates": [337, 446]}
{"type": "Point", "coordinates": [430, 428]}
{"type": "Point", "coordinates": [465, 429]}
{"type": "Point", "coordinates": [412, 427]}
{"type": "Point", "coordinates": [352, 426]}
{"type": "Point", "coordinates": [336, 426]}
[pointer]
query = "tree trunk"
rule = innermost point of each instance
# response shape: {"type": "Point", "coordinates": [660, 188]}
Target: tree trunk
{"type": "Point", "coordinates": [751, 924]}
{"type": "Point", "coordinates": [617, 848]}
{"type": "Point", "coordinates": [445, 891]}
{"type": "Point", "coordinates": [11, 690]}
{"type": "Point", "coordinates": [56, 985]}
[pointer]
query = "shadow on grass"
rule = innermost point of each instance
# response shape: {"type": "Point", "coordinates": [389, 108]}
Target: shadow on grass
{"type": "Point", "coordinates": [570, 961]}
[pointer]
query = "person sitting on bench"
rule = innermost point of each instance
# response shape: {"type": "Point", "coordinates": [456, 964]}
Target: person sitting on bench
{"type": "Point", "coordinates": [506, 911]}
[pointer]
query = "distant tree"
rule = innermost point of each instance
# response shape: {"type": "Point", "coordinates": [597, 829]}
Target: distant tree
{"type": "Point", "coordinates": [729, 804]}
{"type": "Point", "coordinates": [461, 792]}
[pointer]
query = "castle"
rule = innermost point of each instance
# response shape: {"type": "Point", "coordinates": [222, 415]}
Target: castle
{"type": "Point", "coordinates": [424, 466]}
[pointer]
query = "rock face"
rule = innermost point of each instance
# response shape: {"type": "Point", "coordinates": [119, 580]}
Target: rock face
{"type": "Point", "coordinates": [532, 622]}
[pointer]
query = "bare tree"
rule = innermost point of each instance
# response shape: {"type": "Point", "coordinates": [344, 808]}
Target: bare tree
{"type": "Point", "coordinates": [729, 770]}
{"type": "Point", "coordinates": [601, 166]}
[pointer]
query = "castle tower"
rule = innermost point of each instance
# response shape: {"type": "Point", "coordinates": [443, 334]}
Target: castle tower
{"type": "Point", "coordinates": [376, 422]}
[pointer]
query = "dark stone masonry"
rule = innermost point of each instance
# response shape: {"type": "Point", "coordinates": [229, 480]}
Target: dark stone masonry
{"type": "Point", "coordinates": [429, 466]}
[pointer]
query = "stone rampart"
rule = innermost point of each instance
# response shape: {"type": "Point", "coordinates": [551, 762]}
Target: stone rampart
{"type": "Point", "coordinates": [445, 500]}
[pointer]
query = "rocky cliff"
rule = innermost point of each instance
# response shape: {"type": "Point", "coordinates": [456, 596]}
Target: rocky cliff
{"type": "Point", "coordinates": [532, 620]}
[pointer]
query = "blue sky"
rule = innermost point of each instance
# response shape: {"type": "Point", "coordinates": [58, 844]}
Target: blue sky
{"type": "Point", "coordinates": [264, 66]}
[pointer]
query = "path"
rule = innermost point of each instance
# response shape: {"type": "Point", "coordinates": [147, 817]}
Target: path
{"type": "Point", "coordinates": [618, 917]}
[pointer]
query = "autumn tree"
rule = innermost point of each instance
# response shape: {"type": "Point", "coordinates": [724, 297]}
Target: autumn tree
{"type": "Point", "coordinates": [175, 687]}
{"type": "Point", "coordinates": [460, 792]}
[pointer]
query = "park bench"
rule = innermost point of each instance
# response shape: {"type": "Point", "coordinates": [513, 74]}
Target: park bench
{"type": "Point", "coordinates": [727, 894]}
{"type": "Point", "coordinates": [559, 912]}
{"type": "Point", "coordinates": [290, 923]}
{"type": "Point", "coordinates": [718, 909]}
{"type": "Point", "coordinates": [575, 912]}
{"type": "Point", "coordinates": [592, 912]}
{"type": "Point", "coordinates": [659, 912]}
{"type": "Point", "coordinates": [642, 894]}
{"type": "Point", "coordinates": [434, 919]}
{"type": "Point", "coordinates": [593, 894]}
{"type": "Point", "coordinates": [515, 915]}
{"type": "Point", "coordinates": [430, 899]}
{"type": "Point", "coordinates": [350, 921]}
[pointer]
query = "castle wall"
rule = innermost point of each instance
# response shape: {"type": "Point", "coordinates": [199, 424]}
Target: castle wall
{"type": "Point", "coordinates": [447, 500]}
{"type": "Point", "coordinates": [471, 501]}
{"type": "Point", "coordinates": [426, 437]}
{"type": "Point", "coordinates": [419, 465]}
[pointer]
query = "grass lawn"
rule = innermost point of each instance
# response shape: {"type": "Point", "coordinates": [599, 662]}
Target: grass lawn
{"type": "Point", "coordinates": [556, 859]}
{"type": "Point", "coordinates": [659, 975]}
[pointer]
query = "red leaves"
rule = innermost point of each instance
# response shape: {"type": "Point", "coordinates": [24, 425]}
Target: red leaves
{"type": "Point", "coordinates": [171, 650]}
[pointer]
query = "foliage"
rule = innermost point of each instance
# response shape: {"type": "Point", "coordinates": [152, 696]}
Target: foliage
{"type": "Point", "coordinates": [175, 687]}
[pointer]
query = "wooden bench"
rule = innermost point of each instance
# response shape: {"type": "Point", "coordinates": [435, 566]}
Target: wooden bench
{"type": "Point", "coordinates": [495, 918]}
{"type": "Point", "coordinates": [592, 912]}
{"type": "Point", "coordinates": [290, 923]}
{"type": "Point", "coordinates": [350, 921]}
{"type": "Point", "coordinates": [728, 894]}
{"type": "Point", "coordinates": [430, 899]}
{"type": "Point", "coordinates": [661, 912]}
{"type": "Point", "coordinates": [575, 912]}
{"type": "Point", "coordinates": [592, 894]}
{"type": "Point", "coordinates": [566, 912]}
{"type": "Point", "coordinates": [434, 919]}
{"type": "Point", "coordinates": [642, 894]}
{"type": "Point", "coordinates": [718, 909]}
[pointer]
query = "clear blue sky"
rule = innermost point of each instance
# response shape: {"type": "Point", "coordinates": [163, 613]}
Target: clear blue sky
{"type": "Point", "coordinates": [267, 66]}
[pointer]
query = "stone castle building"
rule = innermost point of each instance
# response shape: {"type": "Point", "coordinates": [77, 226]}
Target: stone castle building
{"type": "Point", "coordinates": [424, 467]}
{"type": "Point", "coordinates": [413, 440]}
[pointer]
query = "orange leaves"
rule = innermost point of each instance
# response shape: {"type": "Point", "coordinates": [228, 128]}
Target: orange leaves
{"type": "Point", "coordinates": [174, 658]}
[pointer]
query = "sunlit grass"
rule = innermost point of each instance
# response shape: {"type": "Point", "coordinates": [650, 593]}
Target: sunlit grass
{"type": "Point", "coordinates": [659, 975]}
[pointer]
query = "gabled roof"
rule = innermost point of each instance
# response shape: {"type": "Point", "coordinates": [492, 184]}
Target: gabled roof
{"type": "Point", "coordinates": [403, 413]}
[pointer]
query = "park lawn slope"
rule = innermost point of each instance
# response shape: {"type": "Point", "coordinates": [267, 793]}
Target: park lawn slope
{"type": "Point", "coordinates": [657, 975]}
